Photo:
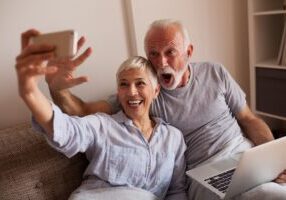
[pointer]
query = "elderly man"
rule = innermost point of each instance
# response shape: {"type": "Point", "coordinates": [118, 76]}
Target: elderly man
{"type": "Point", "coordinates": [201, 99]}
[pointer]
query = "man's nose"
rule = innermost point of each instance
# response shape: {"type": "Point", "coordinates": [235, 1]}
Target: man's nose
{"type": "Point", "coordinates": [162, 62]}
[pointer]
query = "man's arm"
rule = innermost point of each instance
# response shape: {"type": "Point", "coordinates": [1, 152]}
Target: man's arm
{"type": "Point", "coordinates": [253, 127]}
{"type": "Point", "coordinates": [258, 132]}
{"type": "Point", "coordinates": [73, 105]}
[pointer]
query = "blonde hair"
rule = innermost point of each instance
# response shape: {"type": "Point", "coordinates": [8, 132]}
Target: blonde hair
{"type": "Point", "coordinates": [138, 62]}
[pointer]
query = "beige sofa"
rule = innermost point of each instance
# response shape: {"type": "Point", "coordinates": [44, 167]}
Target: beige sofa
{"type": "Point", "coordinates": [30, 169]}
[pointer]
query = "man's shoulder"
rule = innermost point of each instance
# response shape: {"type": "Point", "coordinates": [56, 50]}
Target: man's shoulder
{"type": "Point", "coordinates": [209, 70]}
{"type": "Point", "coordinates": [207, 65]}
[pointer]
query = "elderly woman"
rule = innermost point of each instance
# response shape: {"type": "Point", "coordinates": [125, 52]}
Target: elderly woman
{"type": "Point", "coordinates": [129, 149]}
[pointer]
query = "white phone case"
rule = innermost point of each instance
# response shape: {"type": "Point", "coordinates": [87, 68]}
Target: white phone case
{"type": "Point", "coordinates": [65, 42]}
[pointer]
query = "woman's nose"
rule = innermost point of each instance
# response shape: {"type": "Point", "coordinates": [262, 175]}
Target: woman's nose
{"type": "Point", "coordinates": [132, 90]}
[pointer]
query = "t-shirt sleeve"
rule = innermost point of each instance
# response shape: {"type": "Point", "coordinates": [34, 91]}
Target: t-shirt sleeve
{"type": "Point", "coordinates": [234, 95]}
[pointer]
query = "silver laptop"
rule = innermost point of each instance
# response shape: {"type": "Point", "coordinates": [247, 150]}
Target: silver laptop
{"type": "Point", "coordinates": [240, 173]}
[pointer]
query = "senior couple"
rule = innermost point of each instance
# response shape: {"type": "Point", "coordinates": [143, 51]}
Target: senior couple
{"type": "Point", "coordinates": [134, 145]}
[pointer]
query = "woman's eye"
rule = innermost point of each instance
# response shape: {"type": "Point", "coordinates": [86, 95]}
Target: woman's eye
{"type": "Point", "coordinates": [122, 84]}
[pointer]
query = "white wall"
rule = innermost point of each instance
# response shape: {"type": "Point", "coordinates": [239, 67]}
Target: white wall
{"type": "Point", "coordinates": [218, 31]}
{"type": "Point", "coordinates": [102, 22]}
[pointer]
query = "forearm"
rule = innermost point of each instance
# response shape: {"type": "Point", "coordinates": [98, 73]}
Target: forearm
{"type": "Point", "coordinates": [257, 131]}
{"type": "Point", "coordinates": [40, 107]}
{"type": "Point", "coordinates": [72, 105]}
{"type": "Point", "coordinates": [68, 103]}
{"type": "Point", "coordinates": [253, 127]}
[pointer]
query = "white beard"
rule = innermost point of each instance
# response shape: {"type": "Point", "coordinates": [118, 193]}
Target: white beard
{"type": "Point", "coordinates": [176, 76]}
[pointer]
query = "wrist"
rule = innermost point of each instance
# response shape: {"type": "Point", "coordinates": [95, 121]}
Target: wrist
{"type": "Point", "coordinates": [59, 95]}
{"type": "Point", "coordinates": [58, 92]}
{"type": "Point", "coordinates": [27, 91]}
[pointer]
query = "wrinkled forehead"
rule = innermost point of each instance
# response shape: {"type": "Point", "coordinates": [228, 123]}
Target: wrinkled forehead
{"type": "Point", "coordinates": [164, 38]}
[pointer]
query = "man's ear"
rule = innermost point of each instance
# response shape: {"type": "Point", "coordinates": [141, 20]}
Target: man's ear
{"type": "Point", "coordinates": [190, 50]}
{"type": "Point", "coordinates": [157, 91]}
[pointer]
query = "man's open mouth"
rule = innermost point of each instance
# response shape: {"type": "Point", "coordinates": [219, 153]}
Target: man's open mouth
{"type": "Point", "coordinates": [167, 77]}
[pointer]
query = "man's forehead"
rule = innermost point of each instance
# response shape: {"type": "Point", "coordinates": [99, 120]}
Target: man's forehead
{"type": "Point", "coordinates": [164, 38]}
{"type": "Point", "coordinates": [156, 46]}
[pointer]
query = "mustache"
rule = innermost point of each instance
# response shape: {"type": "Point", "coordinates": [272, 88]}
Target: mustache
{"type": "Point", "coordinates": [166, 70]}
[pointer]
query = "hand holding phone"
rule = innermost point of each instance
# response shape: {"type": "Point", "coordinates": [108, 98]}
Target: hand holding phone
{"type": "Point", "coordinates": [64, 41]}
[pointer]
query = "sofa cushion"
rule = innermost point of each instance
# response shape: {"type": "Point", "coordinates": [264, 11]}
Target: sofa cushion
{"type": "Point", "coordinates": [31, 169]}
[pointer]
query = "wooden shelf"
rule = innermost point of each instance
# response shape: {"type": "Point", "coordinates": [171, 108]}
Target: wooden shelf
{"type": "Point", "coordinates": [274, 12]}
{"type": "Point", "coordinates": [269, 64]}
{"type": "Point", "coordinates": [266, 21]}
{"type": "Point", "coordinates": [270, 115]}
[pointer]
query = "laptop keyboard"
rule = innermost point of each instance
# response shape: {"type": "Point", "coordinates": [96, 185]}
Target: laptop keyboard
{"type": "Point", "coordinates": [221, 181]}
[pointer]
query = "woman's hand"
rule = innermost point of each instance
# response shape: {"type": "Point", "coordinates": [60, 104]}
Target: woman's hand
{"type": "Point", "coordinates": [31, 62]}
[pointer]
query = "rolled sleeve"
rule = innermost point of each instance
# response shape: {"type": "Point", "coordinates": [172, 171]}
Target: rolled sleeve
{"type": "Point", "coordinates": [71, 134]}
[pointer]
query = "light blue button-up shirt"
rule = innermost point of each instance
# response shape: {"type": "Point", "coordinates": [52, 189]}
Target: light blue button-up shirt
{"type": "Point", "coordinates": [119, 155]}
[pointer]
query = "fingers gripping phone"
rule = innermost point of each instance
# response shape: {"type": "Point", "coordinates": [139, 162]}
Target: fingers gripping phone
{"type": "Point", "coordinates": [65, 42]}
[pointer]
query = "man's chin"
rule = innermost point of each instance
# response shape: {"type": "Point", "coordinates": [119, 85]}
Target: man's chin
{"type": "Point", "coordinates": [168, 86]}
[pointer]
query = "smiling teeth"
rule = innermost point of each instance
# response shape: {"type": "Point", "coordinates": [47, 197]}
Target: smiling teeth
{"type": "Point", "coordinates": [134, 102]}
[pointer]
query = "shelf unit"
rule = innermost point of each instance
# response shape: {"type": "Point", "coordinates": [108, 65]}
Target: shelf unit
{"type": "Point", "coordinates": [266, 20]}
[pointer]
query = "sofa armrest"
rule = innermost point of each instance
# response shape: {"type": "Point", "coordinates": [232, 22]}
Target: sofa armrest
{"type": "Point", "coordinates": [31, 169]}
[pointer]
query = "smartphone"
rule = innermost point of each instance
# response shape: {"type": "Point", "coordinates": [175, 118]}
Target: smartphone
{"type": "Point", "coordinates": [65, 42]}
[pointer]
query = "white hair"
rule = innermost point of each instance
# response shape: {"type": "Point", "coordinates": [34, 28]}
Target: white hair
{"type": "Point", "coordinates": [165, 23]}
{"type": "Point", "coordinates": [138, 62]}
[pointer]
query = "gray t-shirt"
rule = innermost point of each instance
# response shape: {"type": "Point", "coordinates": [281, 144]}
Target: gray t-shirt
{"type": "Point", "coordinates": [203, 110]}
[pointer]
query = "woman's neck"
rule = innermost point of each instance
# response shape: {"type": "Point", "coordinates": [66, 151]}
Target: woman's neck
{"type": "Point", "coordinates": [145, 125]}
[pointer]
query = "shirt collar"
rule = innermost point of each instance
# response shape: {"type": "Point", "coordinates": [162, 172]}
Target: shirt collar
{"type": "Point", "coordinates": [120, 117]}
